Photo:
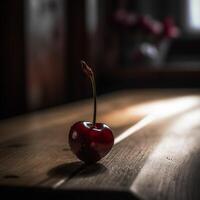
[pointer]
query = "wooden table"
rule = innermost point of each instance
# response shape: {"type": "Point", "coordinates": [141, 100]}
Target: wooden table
{"type": "Point", "coordinates": [156, 153]}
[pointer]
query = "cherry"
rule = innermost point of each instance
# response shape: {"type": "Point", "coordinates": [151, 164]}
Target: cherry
{"type": "Point", "coordinates": [90, 141]}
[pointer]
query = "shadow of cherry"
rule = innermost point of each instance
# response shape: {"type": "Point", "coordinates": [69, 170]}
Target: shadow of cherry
{"type": "Point", "coordinates": [93, 170]}
{"type": "Point", "coordinates": [78, 169]}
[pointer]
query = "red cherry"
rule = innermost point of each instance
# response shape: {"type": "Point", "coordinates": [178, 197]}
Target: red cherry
{"type": "Point", "coordinates": [90, 143]}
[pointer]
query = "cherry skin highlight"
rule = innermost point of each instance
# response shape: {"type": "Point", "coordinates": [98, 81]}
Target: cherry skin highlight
{"type": "Point", "coordinates": [90, 142]}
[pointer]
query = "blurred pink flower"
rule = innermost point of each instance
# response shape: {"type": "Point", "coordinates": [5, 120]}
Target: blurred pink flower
{"type": "Point", "coordinates": [131, 20]}
{"type": "Point", "coordinates": [170, 30]}
{"type": "Point", "coordinates": [120, 16]}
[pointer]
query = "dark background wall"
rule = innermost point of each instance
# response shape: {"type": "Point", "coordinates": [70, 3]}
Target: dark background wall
{"type": "Point", "coordinates": [12, 62]}
{"type": "Point", "coordinates": [42, 45]}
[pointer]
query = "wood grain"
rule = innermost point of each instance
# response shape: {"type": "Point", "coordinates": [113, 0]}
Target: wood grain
{"type": "Point", "coordinates": [159, 161]}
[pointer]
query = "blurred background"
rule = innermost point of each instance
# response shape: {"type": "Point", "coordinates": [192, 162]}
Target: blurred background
{"type": "Point", "coordinates": [129, 43]}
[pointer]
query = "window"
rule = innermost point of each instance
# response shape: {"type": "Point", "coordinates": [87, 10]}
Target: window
{"type": "Point", "coordinates": [193, 7]}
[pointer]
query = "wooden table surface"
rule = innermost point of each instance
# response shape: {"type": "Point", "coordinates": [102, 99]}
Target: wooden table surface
{"type": "Point", "coordinates": [156, 153]}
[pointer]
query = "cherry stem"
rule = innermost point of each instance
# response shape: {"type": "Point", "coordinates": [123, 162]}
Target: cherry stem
{"type": "Point", "coordinates": [90, 74]}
